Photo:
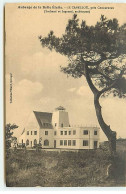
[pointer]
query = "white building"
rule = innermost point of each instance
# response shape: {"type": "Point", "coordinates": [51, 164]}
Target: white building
{"type": "Point", "coordinates": [55, 131]}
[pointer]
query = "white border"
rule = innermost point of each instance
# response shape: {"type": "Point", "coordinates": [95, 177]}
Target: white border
{"type": "Point", "coordinates": [43, 189]}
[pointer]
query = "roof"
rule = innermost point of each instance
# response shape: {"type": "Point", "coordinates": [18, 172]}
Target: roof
{"type": "Point", "coordinates": [44, 119]}
{"type": "Point", "coordinates": [60, 108]}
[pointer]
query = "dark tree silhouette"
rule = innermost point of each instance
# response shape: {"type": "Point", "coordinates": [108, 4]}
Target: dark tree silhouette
{"type": "Point", "coordinates": [97, 53]}
{"type": "Point", "coordinates": [8, 134]}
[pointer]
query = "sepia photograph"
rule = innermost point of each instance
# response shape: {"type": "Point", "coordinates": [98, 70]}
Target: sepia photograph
{"type": "Point", "coordinates": [65, 94]}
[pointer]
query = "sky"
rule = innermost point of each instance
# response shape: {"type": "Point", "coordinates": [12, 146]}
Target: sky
{"type": "Point", "coordinates": [38, 84]}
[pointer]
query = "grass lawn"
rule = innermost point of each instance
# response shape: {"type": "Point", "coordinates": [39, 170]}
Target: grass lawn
{"type": "Point", "coordinates": [28, 168]}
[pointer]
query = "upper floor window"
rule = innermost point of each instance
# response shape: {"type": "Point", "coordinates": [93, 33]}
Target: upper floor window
{"type": "Point", "coordinates": [85, 142]}
{"type": "Point", "coordinates": [27, 132]}
{"type": "Point", "coordinates": [85, 132]}
{"type": "Point", "coordinates": [61, 124]}
{"type": "Point", "coordinates": [65, 132]}
{"type": "Point", "coordinates": [69, 132]}
{"type": "Point", "coordinates": [55, 124]}
{"type": "Point", "coordinates": [74, 132]}
{"type": "Point", "coordinates": [35, 132]}
{"type": "Point", "coordinates": [74, 142]}
{"type": "Point", "coordinates": [46, 132]}
{"type": "Point", "coordinates": [54, 132]}
{"type": "Point", "coordinates": [61, 132]}
{"type": "Point", "coordinates": [31, 132]}
{"type": "Point", "coordinates": [95, 132]}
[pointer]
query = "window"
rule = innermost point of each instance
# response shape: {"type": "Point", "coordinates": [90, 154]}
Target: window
{"type": "Point", "coordinates": [65, 132]}
{"type": "Point", "coordinates": [27, 142]}
{"type": "Point", "coordinates": [95, 144]}
{"type": "Point", "coordinates": [55, 124]}
{"type": "Point", "coordinates": [61, 124]}
{"type": "Point", "coordinates": [35, 132]}
{"type": "Point", "coordinates": [31, 132]}
{"type": "Point", "coordinates": [74, 132]}
{"type": "Point", "coordinates": [46, 143]}
{"type": "Point", "coordinates": [45, 124]}
{"type": "Point", "coordinates": [85, 132]}
{"type": "Point", "coordinates": [95, 132]}
{"type": "Point", "coordinates": [85, 142]}
{"type": "Point", "coordinates": [35, 141]}
{"type": "Point", "coordinates": [54, 132]}
{"type": "Point", "coordinates": [27, 132]}
{"type": "Point", "coordinates": [46, 132]}
{"type": "Point", "coordinates": [65, 142]}
{"type": "Point", "coordinates": [61, 142]}
{"type": "Point", "coordinates": [69, 132]}
{"type": "Point", "coordinates": [74, 142]}
{"type": "Point", "coordinates": [61, 132]}
{"type": "Point", "coordinates": [69, 142]}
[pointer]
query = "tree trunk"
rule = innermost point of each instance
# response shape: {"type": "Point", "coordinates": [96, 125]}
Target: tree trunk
{"type": "Point", "coordinates": [111, 135]}
{"type": "Point", "coordinates": [112, 143]}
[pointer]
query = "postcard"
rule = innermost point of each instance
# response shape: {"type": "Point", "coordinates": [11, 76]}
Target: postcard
{"type": "Point", "coordinates": [65, 89]}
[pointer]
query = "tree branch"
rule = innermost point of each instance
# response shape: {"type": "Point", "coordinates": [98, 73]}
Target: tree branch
{"type": "Point", "coordinates": [112, 84]}
{"type": "Point", "coordinates": [90, 83]}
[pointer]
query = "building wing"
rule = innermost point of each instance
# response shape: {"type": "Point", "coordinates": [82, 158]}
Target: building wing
{"type": "Point", "coordinates": [44, 119]}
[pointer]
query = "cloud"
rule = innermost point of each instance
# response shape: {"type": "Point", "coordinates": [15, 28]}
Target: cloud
{"type": "Point", "coordinates": [25, 97]}
{"type": "Point", "coordinates": [28, 89]}
{"type": "Point", "coordinates": [42, 64]}
{"type": "Point", "coordinates": [114, 114]}
{"type": "Point", "coordinates": [71, 89]}
{"type": "Point", "coordinates": [85, 92]}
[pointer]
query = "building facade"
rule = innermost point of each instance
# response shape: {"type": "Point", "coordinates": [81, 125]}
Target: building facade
{"type": "Point", "coordinates": [53, 130]}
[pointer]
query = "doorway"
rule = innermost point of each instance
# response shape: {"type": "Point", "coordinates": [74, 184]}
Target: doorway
{"type": "Point", "coordinates": [54, 143]}
{"type": "Point", "coordinates": [95, 144]}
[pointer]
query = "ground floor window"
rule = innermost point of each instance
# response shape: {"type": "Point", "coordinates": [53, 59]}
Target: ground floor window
{"type": "Point", "coordinates": [46, 143]}
{"type": "Point", "coordinates": [35, 141]}
{"type": "Point", "coordinates": [65, 142]}
{"type": "Point", "coordinates": [85, 142]}
{"type": "Point", "coordinates": [95, 144]}
{"type": "Point", "coordinates": [61, 142]}
{"type": "Point", "coordinates": [27, 142]}
{"type": "Point", "coordinates": [69, 142]}
{"type": "Point", "coordinates": [74, 142]}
